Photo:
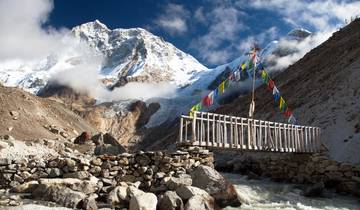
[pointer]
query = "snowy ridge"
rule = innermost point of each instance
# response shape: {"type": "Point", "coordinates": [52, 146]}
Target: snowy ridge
{"type": "Point", "coordinates": [136, 52]}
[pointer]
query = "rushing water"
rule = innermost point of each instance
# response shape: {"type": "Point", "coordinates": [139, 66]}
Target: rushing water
{"type": "Point", "coordinates": [265, 194]}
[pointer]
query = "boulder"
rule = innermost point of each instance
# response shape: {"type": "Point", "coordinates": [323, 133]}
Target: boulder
{"type": "Point", "coordinates": [84, 186]}
{"type": "Point", "coordinates": [78, 175]}
{"type": "Point", "coordinates": [118, 197]}
{"type": "Point", "coordinates": [83, 138]}
{"type": "Point", "coordinates": [98, 139]}
{"type": "Point", "coordinates": [5, 161]}
{"type": "Point", "coordinates": [208, 179]}
{"type": "Point", "coordinates": [59, 194]}
{"type": "Point", "coordinates": [27, 187]}
{"type": "Point", "coordinates": [198, 202]}
{"type": "Point", "coordinates": [89, 203]}
{"type": "Point", "coordinates": [109, 149]}
{"type": "Point", "coordinates": [109, 139]}
{"type": "Point", "coordinates": [143, 201]}
{"type": "Point", "coordinates": [181, 180]}
{"type": "Point", "coordinates": [142, 159]}
{"type": "Point", "coordinates": [55, 172]}
{"type": "Point", "coordinates": [186, 192]}
{"type": "Point", "coordinates": [133, 191]}
{"type": "Point", "coordinates": [171, 201]}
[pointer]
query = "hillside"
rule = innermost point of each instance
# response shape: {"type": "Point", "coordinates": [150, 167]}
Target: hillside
{"type": "Point", "coordinates": [323, 89]}
{"type": "Point", "coordinates": [25, 116]}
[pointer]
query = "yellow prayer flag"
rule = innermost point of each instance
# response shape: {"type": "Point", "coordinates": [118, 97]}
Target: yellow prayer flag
{"type": "Point", "coordinates": [192, 110]}
{"type": "Point", "coordinates": [263, 74]}
{"type": "Point", "coordinates": [222, 87]}
{"type": "Point", "coordinates": [282, 102]}
{"type": "Point", "coordinates": [243, 66]}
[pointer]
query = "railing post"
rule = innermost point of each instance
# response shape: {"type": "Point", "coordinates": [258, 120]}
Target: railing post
{"type": "Point", "coordinates": [194, 127]}
{"type": "Point", "coordinates": [225, 132]}
{"type": "Point", "coordinates": [236, 133]}
{"type": "Point", "coordinates": [214, 131]}
{"type": "Point", "coordinates": [249, 134]}
{"type": "Point", "coordinates": [208, 130]}
{"type": "Point", "coordinates": [266, 124]}
{"type": "Point", "coordinates": [260, 134]}
{"type": "Point", "coordinates": [280, 139]}
{"type": "Point", "coordinates": [242, 133]}
{"type": "Point", "coordinates": [181, 129]}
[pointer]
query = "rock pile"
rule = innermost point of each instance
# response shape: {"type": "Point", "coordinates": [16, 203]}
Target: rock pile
{"type": "Point", "coordinates": [299, 168]}
{"type": "Point", "coordinates": [145, 180]}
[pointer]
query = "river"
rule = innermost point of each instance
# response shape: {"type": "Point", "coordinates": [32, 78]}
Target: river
{"type": "Point", "coordinates": [269, 195]}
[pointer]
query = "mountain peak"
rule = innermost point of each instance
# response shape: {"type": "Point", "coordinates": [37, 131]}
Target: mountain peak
{"type": "Point", "coordinates": [299, 33]}
{"type": "Point", "coordinates": [96, 24]}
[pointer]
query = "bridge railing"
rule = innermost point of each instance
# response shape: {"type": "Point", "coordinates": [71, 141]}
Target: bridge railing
{"type": "Point", "coordinates": [223, 131]}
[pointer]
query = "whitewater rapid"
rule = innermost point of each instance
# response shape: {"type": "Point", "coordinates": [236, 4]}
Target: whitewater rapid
{"type": "Point", "coordinates": [269, 195]}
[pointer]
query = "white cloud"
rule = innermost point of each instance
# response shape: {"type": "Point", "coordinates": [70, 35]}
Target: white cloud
{"type": "Point", "coordinates": [22, 35]}
{"type": "Point", "coordinates": [174, 19]}
{"type": "Point", "coordinates": [96, 89]}
{"type": "Point", "coordinates": [224, 27]}
{"type": "Point", "coordinates": [325, 16]}
{"type": "Point", "coordinates": [301, 48]}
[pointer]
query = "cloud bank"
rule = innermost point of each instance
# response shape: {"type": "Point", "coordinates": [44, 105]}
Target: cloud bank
{"type": "Point", "coordinates": [23, 34]}
{"type": "Point", "coordinates": [85, 78]}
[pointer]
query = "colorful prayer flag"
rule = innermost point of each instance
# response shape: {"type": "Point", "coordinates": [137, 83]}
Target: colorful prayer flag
{"type": "Point", "coordinates": [231, 77]}
{"type": "Point", "coordinates": [292, 119]}
{"type": "Point", "coordinates": [211, 97]}
{"type": "Point", "coordinates": [250, 64]}
{"type": "Point", "coordinates": [271, 84]}
{"type": "Point", "coordinates": [288, 112]}
{"type": "Point", "coordinates": [226, 84]}
{"type": "Point", "coordinates": [243, 66]}
{"type": "Point", "coordinates": [216, 92]}
{"type": "Point", "coordinates": [222, 87]}
{"type": "Point", "coordinates": [237, 75]}
{"type": "Point", "coordinates": [282, 104]}
{"type": "Point", "coordinates": [265, 76]}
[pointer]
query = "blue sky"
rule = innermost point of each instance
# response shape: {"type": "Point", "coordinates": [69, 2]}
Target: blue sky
{"type": "Point", "coordinates": [148, 14]}
{"type": "Point", "coordinates": [213, 31]}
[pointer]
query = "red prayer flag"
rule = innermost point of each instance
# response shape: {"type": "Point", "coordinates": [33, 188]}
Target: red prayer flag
{"type": "Point", "coordinates": [206, 101]}
{"type": "Point", "coordinates": [231, 76]}
{"type": "Point", "coordinates": [288, 112]}
{"type": "Point", "coordinates": [271, 84]}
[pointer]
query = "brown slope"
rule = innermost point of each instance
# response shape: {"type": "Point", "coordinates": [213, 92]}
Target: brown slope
{"type": "Point", "coordinates": [323, 89]}
{"type": "Point", "coordinates": [34, 113]}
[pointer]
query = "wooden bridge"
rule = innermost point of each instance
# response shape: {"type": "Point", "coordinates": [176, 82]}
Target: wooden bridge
{"type": "Point", "coordinates": [222, 131]}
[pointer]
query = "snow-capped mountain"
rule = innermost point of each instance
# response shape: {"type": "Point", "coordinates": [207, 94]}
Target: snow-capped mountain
{"type": "Point", "coordinates": [138, 54]}
{"type": "Point", "coordinates": [134, 54]}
